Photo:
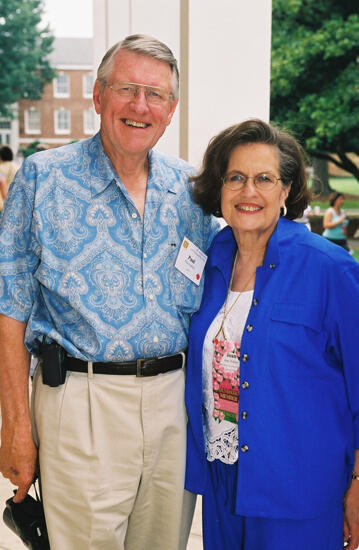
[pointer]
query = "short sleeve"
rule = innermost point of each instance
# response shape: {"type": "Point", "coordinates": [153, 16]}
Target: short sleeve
{"type": "Point", "coordinates": [18, 260]}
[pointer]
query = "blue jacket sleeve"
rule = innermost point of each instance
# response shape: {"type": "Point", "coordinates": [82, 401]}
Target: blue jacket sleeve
{"type": "Point", "coordinates": [345, 318]}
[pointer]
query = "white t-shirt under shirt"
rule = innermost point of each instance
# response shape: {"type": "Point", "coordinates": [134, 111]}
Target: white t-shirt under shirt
{"type": "Point", "coordinates": [221, 438]}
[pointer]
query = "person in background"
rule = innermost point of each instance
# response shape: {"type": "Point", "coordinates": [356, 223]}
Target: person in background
{"type": "Point", "coordinates": [3, 191]}
{"type": "Point", "coordinates": [305, 219]}
{"type": "Point", "coordinates": [335, 221]}
{"type": "Point", "coordinates": [8, 170]}
{"type": "Point", "coordinates": [272, 387]}
{"type": "Point", "coordinates": [88, 246]}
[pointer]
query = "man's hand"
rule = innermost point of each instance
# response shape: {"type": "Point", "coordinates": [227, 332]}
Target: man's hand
{"type": "Point", "coordinates": [351, 516]}
{"type": "Point", "coordinates": [18, 452]}
{"type": "Point", "coordinates": [18, 457]}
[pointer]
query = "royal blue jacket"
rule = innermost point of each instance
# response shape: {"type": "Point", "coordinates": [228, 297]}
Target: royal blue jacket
{"type": "Point", "coordinates": [300, 356]}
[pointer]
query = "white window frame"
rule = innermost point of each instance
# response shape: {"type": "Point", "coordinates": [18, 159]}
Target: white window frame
{"type": "Point", "coordinates": [60, 93]}
{"type": "Point", "coordinates": [87, 89]}
{"type": "Point", "coordinates": [57, 114]}
{"type": "Point", "coordinates": [5, 124]}
{"type": "Point", "coordinates": [27, 122]}
{"type": "Point", "coordinates": [87, 128]}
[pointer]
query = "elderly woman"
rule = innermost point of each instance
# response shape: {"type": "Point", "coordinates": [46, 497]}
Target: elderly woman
{"type": "Point", "coordinates": [273, 373]}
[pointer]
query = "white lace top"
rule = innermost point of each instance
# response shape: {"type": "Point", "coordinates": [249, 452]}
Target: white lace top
{"type": "Point", "coordinates": [222, 438]}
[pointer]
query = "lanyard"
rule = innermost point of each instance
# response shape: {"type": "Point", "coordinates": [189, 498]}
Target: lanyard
{"type": "Point", "coordinates": [225, 311]}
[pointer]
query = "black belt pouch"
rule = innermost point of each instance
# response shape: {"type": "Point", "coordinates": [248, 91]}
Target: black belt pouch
{"type": "Point", "coordinates": [53, 364]}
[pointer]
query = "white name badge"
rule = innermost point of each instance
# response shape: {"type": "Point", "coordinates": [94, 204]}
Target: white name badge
{"type": "Point", "coordinates": [191, 261]}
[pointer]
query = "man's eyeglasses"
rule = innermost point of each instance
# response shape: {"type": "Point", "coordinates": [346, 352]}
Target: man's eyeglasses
{"type": "Point", "coordinates": [153, 94]}
{"type": "Point", "coordinates": [236, 181]}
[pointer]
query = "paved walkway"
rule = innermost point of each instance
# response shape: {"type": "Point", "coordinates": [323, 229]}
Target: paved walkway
{"type": "Point", "coordinates": [353, 243]}
{"type": "Point", "coordinates": [195, 538]}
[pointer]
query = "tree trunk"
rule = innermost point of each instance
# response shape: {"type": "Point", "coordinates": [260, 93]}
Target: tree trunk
{"type": "Point", "coordinates": [320, 185]}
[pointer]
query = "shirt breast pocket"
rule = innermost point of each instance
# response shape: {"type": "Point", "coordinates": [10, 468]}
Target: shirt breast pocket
{"type": "Point", "coordinates": [296, 340]}
{"type": "Point", "coordinates": [185, 294]}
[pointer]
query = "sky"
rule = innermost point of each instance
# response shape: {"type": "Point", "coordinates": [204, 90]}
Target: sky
{"type": "Point", "coordinates": [69, 17]}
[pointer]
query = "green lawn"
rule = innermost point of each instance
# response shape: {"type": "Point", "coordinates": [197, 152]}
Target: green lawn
{"type": "Point", "coordinates": [348, 204]}
{"type": "Point", "coordinates": [347, 185]}
{"type": "Point", "coordinates": [356, 254]}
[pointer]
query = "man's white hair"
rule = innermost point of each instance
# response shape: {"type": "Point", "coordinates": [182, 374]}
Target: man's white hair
{"type": "Point", "coordinates": [145, 45]}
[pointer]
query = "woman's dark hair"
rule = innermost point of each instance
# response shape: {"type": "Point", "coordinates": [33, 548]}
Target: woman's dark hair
{"type": "Point", "coordinates": [208, 183]}
{"type": "Point", "coordinates": [6, 153]}
{"type": "Point", "coordinates": [333, 197]}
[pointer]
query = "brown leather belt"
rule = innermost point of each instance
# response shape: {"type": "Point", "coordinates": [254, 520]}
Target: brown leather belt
{"type": "Point", "coordinates": [150, 366]}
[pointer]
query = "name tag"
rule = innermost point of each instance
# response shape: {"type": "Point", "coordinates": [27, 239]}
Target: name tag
{"type": "Point", "coordinates": [191, 261]}
{"type": "Point", "coordinates": [225, 378]}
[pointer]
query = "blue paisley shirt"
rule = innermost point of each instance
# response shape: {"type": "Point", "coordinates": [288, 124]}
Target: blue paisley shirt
{"type": "Point", "coordinates": [80, 266]}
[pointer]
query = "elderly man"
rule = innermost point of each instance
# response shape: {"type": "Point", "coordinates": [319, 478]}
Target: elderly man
{"type": "Point", "coordinates": [94, 280]}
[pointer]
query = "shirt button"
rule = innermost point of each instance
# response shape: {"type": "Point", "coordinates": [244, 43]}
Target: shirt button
{"type": "Point", "coordinates": [249, 328]}
{"type": "Point", "coordinates": [255, 302]}
{"type": "Point", "coordinates": [150, 296]}
{"type": "Point", "coordinates": [244, 415]}
{"type": "Point", "coordinates": [244, 357]}
{"type": "Point", "coordinates": [144, 255]}
{"type": "Point", "coordinates": [271, 266]}
{"type": "Point", "coordinates": [244, 448]}
{"type": "Point", "coordinates": [245, 385]}
{"type": "Point", "coordinates": [134, 215]}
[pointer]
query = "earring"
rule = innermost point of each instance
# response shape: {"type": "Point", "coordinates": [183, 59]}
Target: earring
{"type": "Point", "coordinates": [218, 210]}
{"type": "Point", "coordinates": [283, 211]}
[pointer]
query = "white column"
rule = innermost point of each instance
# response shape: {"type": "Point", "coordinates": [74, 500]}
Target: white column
{"type": "Point", "coordinates": [14, 132]}
{"type": "Point", "coordinates": [224, 52]}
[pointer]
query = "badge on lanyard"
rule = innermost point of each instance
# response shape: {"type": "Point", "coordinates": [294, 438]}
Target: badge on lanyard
{"type": "Point", "coordinates": [225, 377]}
{"type": "Point", "coordinates": [226, 367]}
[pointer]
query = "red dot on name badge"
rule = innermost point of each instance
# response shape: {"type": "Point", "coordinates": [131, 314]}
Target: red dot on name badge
{"type": "Point", "coordinates": [197, 276]}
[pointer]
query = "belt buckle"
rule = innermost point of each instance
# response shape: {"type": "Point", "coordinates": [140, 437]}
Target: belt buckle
{"type": "Point", "coordinates": [139, 366]}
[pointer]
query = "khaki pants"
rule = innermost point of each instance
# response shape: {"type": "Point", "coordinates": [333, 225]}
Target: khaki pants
{"type": "Point", "coordinates": [112, 457]}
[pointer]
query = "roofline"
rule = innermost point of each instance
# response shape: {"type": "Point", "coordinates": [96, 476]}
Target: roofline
{"type": "Point", "coordinates": [74, 67]}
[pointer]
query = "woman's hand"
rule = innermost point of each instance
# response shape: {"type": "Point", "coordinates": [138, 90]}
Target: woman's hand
{"type": "Point", "coordinates": [351, 516]}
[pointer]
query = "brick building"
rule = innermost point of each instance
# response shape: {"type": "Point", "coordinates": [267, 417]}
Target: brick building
{"type": "Point", "coordinates": [65, 111]}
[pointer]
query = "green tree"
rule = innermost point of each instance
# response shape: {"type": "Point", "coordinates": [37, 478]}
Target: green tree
{"type": "Point", "coordinates": [30, 150]}
{"type": "Point", "coordinates": [315, 76]}
{"type": "Point", "coordinates": [24, 48]}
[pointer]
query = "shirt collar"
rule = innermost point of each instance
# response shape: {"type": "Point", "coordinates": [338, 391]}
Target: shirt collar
{"type": "Point", "coordinates": [159, 177]}
{"type": "Point", "coordinates": [282, 237]}
{"type": "Point", "coordinates": [224, 246]}
{"type": "Point", "coordinates": [223, 250]}
{"type": "Point", "coordinates": [101, 169]}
